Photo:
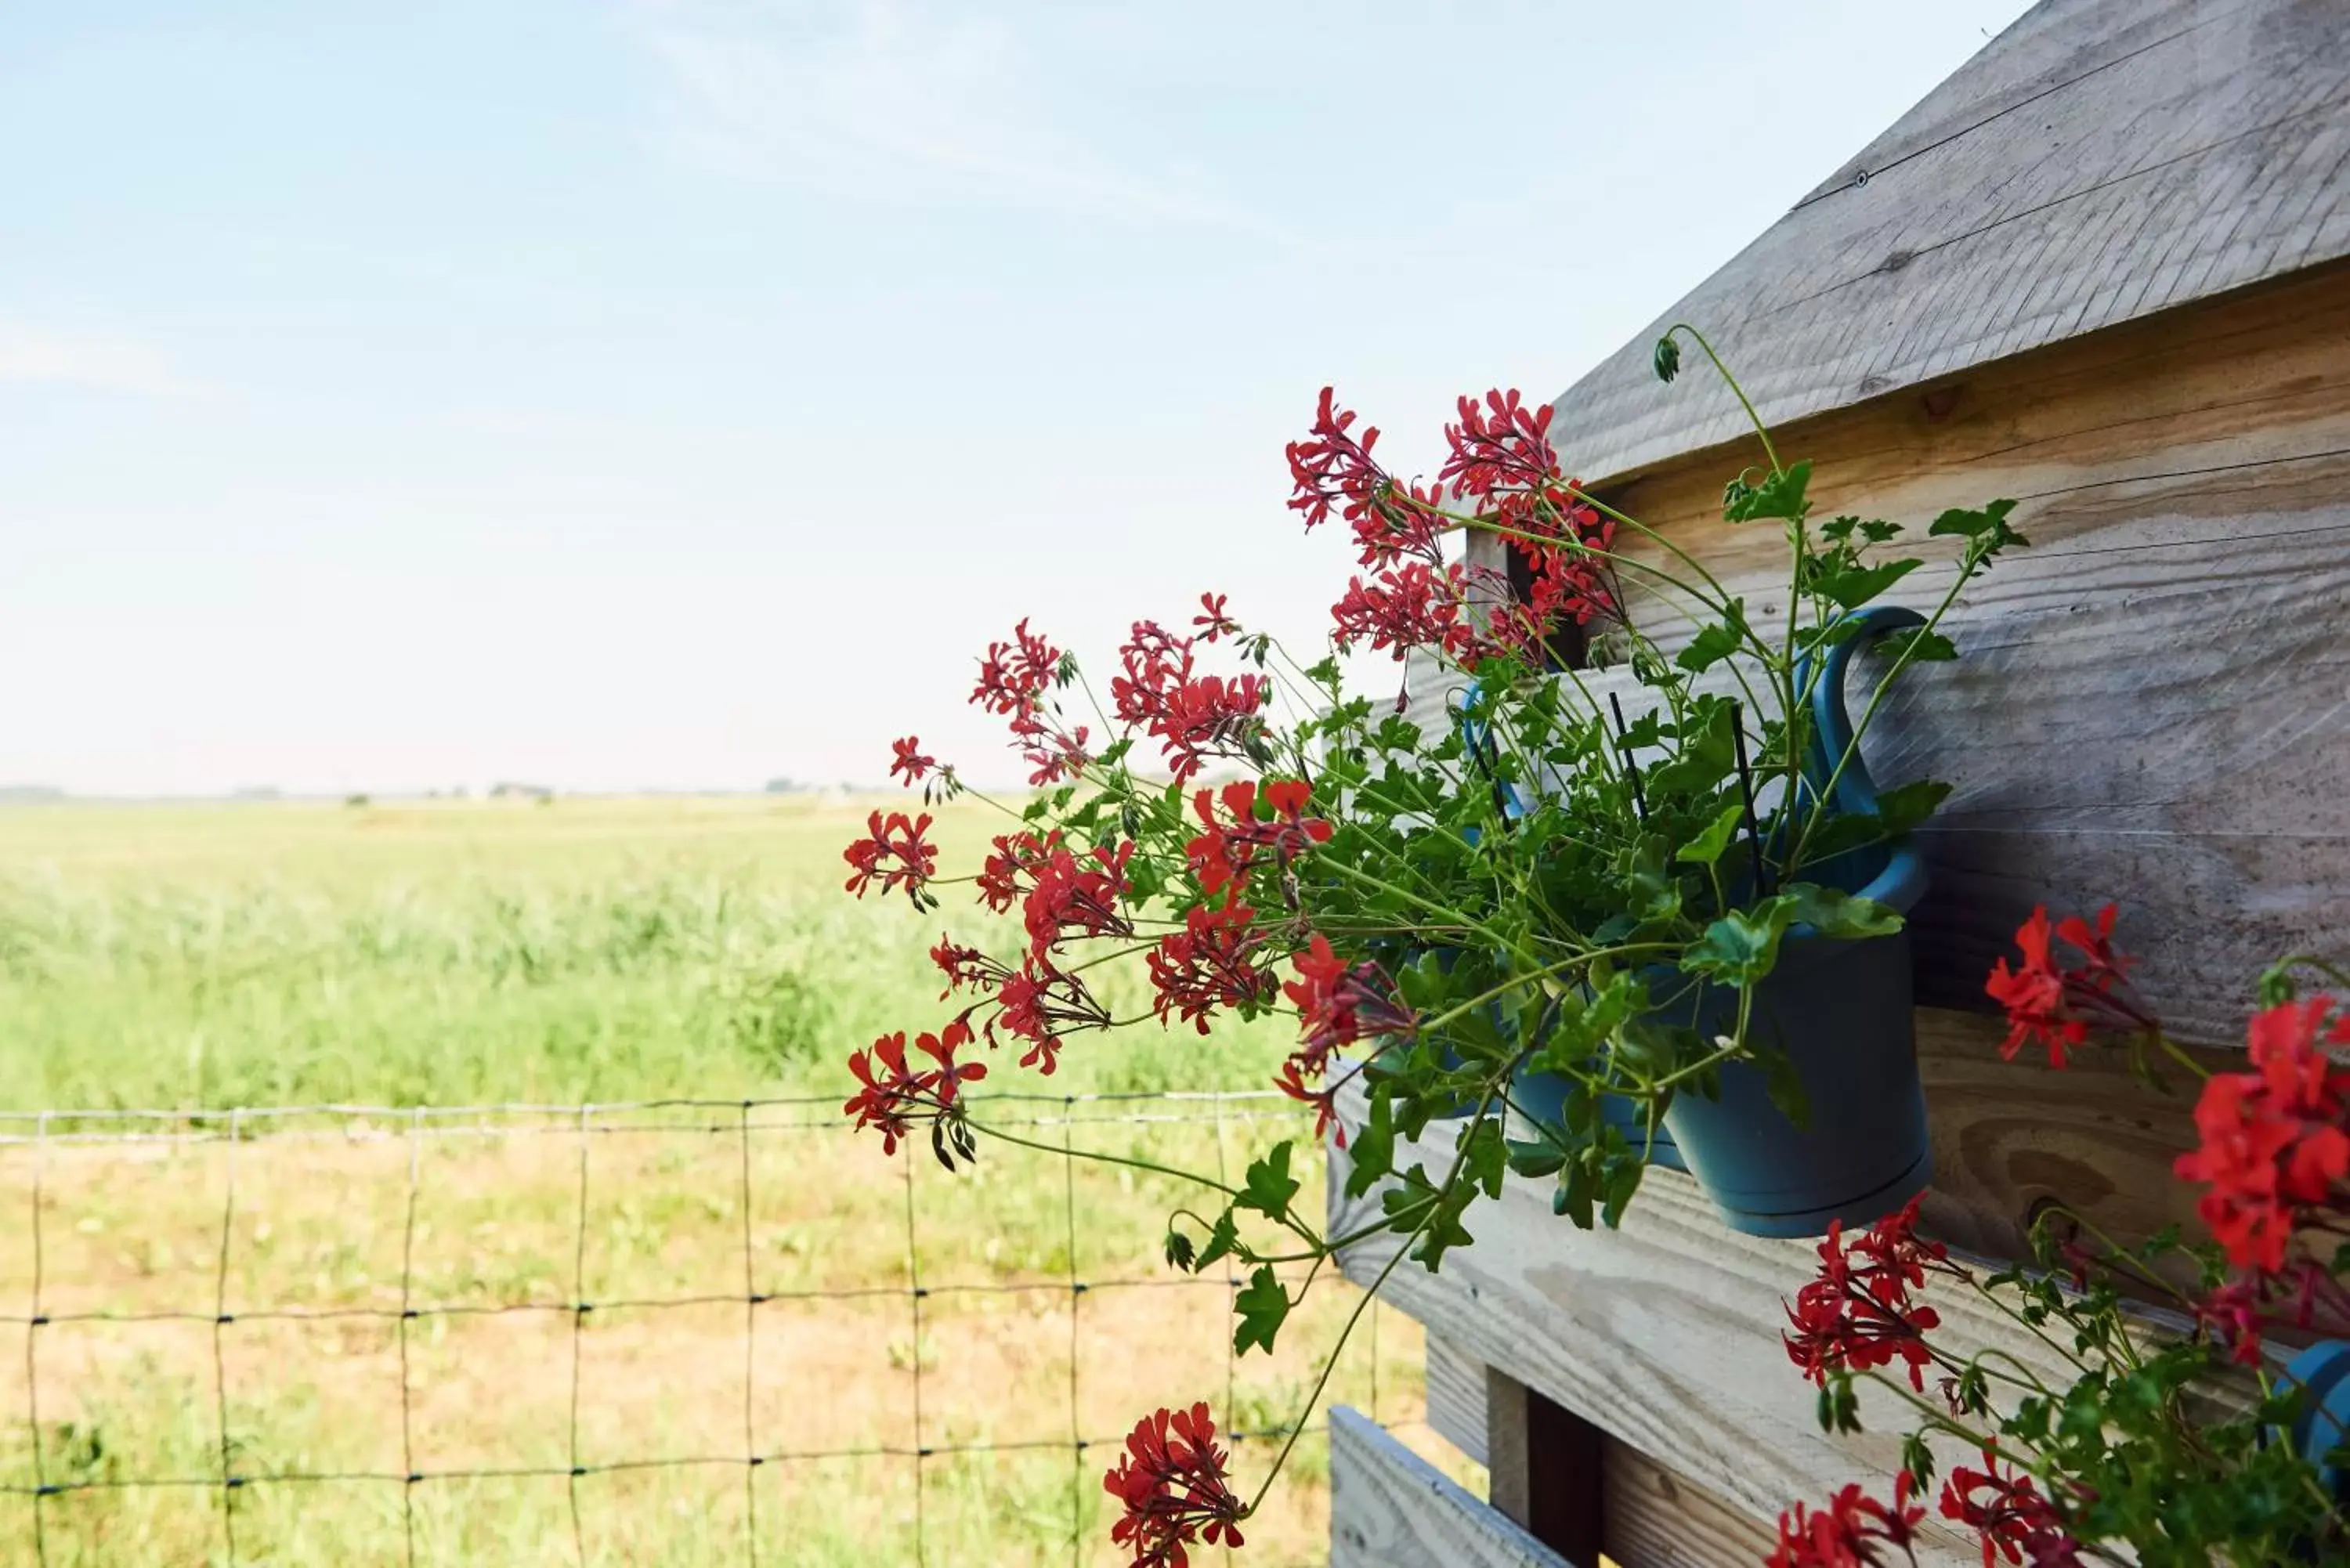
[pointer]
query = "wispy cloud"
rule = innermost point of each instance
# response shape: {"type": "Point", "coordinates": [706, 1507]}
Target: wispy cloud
{"type": "Point", "coordinates": [890, 100]}
{"type": "Point", "coordinates": [31, 353]}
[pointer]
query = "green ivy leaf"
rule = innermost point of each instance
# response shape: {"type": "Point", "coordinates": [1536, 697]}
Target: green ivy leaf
{"type": "Point", "coordinates": [1262, 1305]}
{"type": "Point", "coordinates": [1903, 807]}
{"type": "Point", "coordinates": [1706, 756]}
{"type": "Point", "coordinates": [1708, 847]}
{"type": "Point", "coordinates": [1269, 1186]}
{"type": "Point", "coordinates": [1852, 585]}
{"type": "Point", "coordinates": [1715, 641]}
{"type": "Point", "coordinates": [1780, 495]}
{"type": "Point", "coordinates": [1844, 916]}
{"type": "Point", "coordinates": [1371, 1148]}
{"type": "Point", "coordinates": [1919, 645]}
{"type": "Point", "coordinates": [1784, 1085]}
{"type": "Point", "coordinates": [1224, 1241]}
{"type": "Point", "coordinates": [1739, 947]}
{"type": "Point", "coordinates": [1986, 532]}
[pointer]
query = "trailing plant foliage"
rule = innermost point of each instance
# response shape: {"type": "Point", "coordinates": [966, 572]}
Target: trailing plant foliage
{"type": "Point", "coordinates": [2171, 1448]}
{"type": "Point", "coordinates": [1529, 887]}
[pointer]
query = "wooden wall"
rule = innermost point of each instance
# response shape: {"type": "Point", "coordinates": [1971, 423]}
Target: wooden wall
{"type": "Point", "coordinates": [2152, 706]}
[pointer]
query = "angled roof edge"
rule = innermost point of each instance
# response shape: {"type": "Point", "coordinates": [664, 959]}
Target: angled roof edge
{"type": "Point", "coordinates": [2093, 164]}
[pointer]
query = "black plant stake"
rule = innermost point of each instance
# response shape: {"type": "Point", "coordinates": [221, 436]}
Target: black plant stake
{"type": "Point", "coordinates": [1746, 790]}
{"type": "Point", "coordinates": [1632, 768]}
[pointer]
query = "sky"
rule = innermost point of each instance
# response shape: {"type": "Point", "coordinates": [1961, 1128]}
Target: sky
{"type": "Point", "coordinates": [681, 393]}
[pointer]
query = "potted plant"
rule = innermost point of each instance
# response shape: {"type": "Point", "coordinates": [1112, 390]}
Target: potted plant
{"type": "Point", "coordinates": [1653, 900]}
{"type": "Point", "coordinates": [2162, 1447]}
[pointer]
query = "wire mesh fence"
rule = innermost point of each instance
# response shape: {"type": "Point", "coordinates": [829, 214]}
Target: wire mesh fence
{"type": "Point", "coordinates": [441, 1313]}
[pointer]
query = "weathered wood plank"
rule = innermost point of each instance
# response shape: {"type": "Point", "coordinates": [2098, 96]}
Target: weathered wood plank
{"type": "Point", "coordinates": [1391, 1509]}
{"type": "Point", "coordinates": [1665, 1333]}
{"type": "Point", "coordinates": [1455, 1383]}
{"type": "Point", "coordinates": [1650, 1517]}
{"type": "Point", "coordinates": [1543, 1462]}
{"type": "Point", "coordinates": [1657, 1519]}
{"type": "Point", "coordinates": [2095, 165]}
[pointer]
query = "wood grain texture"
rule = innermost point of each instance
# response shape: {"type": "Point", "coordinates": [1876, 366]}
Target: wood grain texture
{"type": "Point", "coordinates": [1456, 1396]}
{"type": "Point", "coordinates": [1651, 1517]}
{"type": "Point", "coordinates": [1391, 1509]}
{"type": "Point", "coordinates": [1664, 1333]}
{"type": "Point", "coordinates": [2095, 164]}
{"type": "Point", "coordinates": [1657, 1519]}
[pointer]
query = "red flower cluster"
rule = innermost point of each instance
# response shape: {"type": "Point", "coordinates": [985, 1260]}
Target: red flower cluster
{"type": "Point", "coordinates": [1331, 470]}
{"type": "Point", "coordinates": [2012, 1519]}
{"type": "Point", "coordinates": [1069, 898]}
{"type": "Point", "coordinates": [1211, 962]}
{"type": "Point", "coordinates": [967, 966]}
{"type": "Point", "coordinates": [1226, 853]}
{"type": "Point", "coordinates": [1193, 716]}
{"type": "Point", "coordinates": [2057, 1004]}
{"type": "Point", "coordinates": [1013, 857]}
{"type": "Point", "coordinates": [1849, 1531]}
{"type": "Point", "coordinates": [894, 853]}
{"type": "Point", "coordinates": [895, 1095]}
{"type": "Point", "coordinates": [1173, 1484]}
{"type": "Point", "coordinates": [2274, 1146]}
{"type": "Point", "coordinates": [1040, 1002]}
{"type": "Point", "coordinates": [1416, 605]}
{"type": "Point", "coordinates": [1502, 446]}
{"type": "Point", "coordinates": [1014, 678]}
{"type": "Point", "coordinates": [1857, 1311]}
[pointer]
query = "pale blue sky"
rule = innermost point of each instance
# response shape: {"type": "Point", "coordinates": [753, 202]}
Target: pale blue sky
{"type": "Point", "coordinates": [681, 393]}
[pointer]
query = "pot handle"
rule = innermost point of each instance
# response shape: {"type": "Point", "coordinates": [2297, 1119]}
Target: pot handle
{"type": "Point", "coordinates": [1478, 737]}
{"type": "Point", "coordinates": [1855, 792]}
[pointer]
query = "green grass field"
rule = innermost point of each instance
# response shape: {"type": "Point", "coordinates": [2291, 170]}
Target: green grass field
{"type": "Point", "coordinates": [202, 958]}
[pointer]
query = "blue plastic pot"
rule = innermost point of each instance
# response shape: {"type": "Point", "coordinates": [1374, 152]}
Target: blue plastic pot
{"type": "Point", "coordinates": [1841, 1014]}
{"type": "Point", "coordinates": [2321, 1422]}
{"type": "Point", "coordinates": [1840, 1011]}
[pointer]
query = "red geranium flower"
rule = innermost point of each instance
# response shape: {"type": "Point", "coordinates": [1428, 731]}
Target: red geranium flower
{"type": "Point", "coordinates": [1226, 853]}
{"type": "Point", "coordinates": [1850, 1532]}
{"type": "Point", "coordinates": [1340, 1003]}
{"type": "Point", "coordinates": [1416, 605]}
{"type": "Point", "coordinates": [2273, 1148]}
{"type": "Point", "coordinates": [1014, 676]}
{"type": "Point", "coordinates": [894, 1096]}
{"type": "Point", "coordinates": [1015, 857]}
{"type": "Point", "coordinates": [1174, 1488]}
{"type": "Point", "coordinates": [1071, 898]}
{"type": "Point", "coordinates": [1039, 1002]}
{"type": "Point", "coordinates": [1501, 444]}
{"type": "Point", "coordinates": [911, 760]}
{"type": "Point", "coordinates": [967, 966]}
{"type": "Point", "coordinates": [1215, 623]}
{"type": "Point", "coordinates": [2057, 1004]}
{"type": "Point", "coordinates": [2010, 1517]}
{"type": "Point", "coordinates": [1333, 470]}
{"type": "Point", "coordinates": [1857, 1311]}
{"type": "Point", "coordinates": [892, 852]}
{"type": "Point", "coordinates": [1210, 963]}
